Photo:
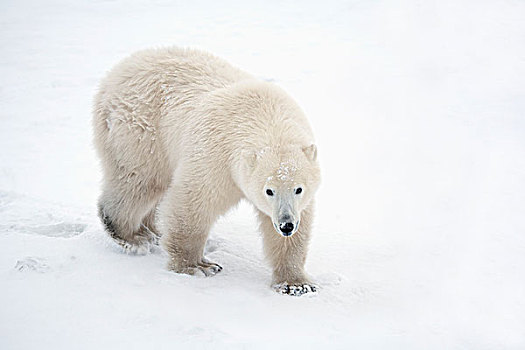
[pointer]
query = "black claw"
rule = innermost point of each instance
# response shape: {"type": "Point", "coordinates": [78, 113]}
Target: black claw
{"type": "Point", "coordinates": [295, 290]}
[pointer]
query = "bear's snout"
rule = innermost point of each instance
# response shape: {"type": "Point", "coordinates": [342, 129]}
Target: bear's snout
{"type": "Point", "coordinates": [286, 228]}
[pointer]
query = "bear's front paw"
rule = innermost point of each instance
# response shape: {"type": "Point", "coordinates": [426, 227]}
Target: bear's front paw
{"type": "Point", "coordinates": [209, 268]}
{"type": "Point", "coordinates": [296, 289]}
{"type": "Point", "coordinates": [205, 268]}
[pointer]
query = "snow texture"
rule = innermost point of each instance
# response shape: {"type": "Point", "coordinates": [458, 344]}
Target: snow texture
{"type": "Point", "coordinates": [419, 243]}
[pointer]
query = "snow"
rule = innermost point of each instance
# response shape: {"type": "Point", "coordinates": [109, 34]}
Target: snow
{"type": "Point", "coordinates": [286, 171]}
{"type": "Point", "coordinates": [418, 110]}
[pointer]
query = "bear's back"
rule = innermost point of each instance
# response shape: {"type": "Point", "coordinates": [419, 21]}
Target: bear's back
{"type": "Point", "coordinates": [171, 73]}
{"type": "Point", "coordinates": [140, 90]}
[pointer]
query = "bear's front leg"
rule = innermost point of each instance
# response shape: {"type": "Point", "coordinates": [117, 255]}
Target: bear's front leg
{"type": "Point", "coordinates": [288, 255]}
{"type": "Point", "coordinates": [185, 230]}
{"type": "Point", "coordinates": [185, 254]}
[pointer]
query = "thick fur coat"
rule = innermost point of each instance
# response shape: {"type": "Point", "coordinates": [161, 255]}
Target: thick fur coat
{"type": "Point", "coordinates": [183, 136]}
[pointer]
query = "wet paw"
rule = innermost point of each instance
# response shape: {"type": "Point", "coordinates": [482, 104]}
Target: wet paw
{"type": "Point", "coordinates": [296, 289]}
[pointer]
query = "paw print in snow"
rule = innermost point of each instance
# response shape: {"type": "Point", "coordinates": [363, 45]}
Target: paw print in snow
{"type": "Point", "coordinates": [31, 264]}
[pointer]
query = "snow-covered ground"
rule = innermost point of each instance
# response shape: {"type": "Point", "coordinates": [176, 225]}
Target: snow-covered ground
{"type": "Point", "coordinates": [419, 112]}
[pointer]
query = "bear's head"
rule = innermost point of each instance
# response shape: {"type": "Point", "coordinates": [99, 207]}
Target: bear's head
{"type": "Point", "coordinates": [281, 183]}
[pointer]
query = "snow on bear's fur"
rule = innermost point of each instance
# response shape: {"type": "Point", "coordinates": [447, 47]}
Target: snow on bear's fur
{"type": "Point", "coordinates": [183, 135]}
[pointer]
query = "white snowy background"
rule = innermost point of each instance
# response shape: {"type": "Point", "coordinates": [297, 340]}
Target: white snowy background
{"type": "Point", "coordinates": [418, 109]}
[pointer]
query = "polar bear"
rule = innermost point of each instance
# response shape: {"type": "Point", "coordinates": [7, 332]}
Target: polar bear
{"type": "Point", "coordinates": [183, 136]}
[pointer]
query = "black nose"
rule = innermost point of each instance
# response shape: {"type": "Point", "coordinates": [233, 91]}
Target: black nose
{"type": "Point", "coordinates": [286, 228]}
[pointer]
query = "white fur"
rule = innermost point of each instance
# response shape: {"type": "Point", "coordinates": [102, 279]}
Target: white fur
{"type": "Point", "coordinates": [186, 133]}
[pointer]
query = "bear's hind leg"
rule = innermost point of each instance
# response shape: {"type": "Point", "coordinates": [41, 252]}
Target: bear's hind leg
{"type": "Point", "coordinates": [128, 218]}
{"type": "Point", "coordinates": [149, 225]}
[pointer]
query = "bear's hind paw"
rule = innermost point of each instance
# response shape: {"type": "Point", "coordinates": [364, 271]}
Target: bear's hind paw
{"type": "Point", "coordinates": [140, 248]}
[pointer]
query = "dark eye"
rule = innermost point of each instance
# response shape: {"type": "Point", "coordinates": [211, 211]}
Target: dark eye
{"type": "Point", "coordinates": [298, 190]}
{"type": "Point", "coordinates": [269, 192]}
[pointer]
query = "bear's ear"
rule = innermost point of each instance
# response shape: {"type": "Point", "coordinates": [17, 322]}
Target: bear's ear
{"type": "Point", "coordinates": [311, 152]}
{"type": "Point", "coordinates": [249, 158]}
